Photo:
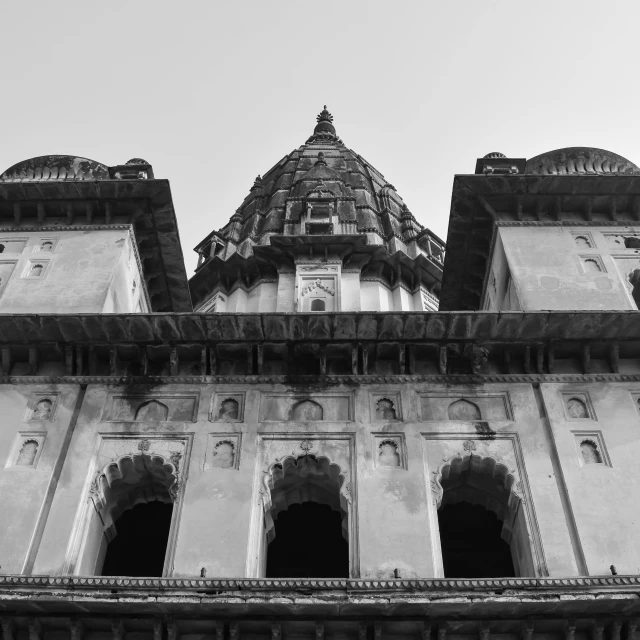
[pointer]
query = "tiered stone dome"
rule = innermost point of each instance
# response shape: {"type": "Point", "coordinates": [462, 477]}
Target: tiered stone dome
{"type": "Point", "coordinates": [321, 169]}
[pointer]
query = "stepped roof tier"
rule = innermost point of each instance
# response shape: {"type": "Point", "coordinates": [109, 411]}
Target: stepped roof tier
{"type": "Point", "coordinates": [320, 197]}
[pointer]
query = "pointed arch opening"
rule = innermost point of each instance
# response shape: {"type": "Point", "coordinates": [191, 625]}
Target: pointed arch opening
{"type": "Point", "coordinates": [131, 517]}
{"type": "Point", "coordinates": [481, 520]}
{"type": "Point", "coordinates": [306, 520]}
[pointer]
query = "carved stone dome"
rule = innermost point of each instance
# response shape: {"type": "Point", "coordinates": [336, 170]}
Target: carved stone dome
{"type": "Point", "coordinates": [580, 161]}
{"type": "Point", "coordinates": [55, 168]}
{"type": "Point", "coordinates": [323, 170]}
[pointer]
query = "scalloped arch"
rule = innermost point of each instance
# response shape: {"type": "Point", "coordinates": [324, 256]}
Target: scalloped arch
{"type": "Point", "coordinates": [133, 479]}
{"type": "Point", "coordinates": [305, 478]}
{"type": "Point", "coordinates": [503, 498]}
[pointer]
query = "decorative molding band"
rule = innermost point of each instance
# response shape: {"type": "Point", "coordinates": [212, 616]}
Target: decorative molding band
{"type": "Point", "coordinates": [478, 379]}
{"type": "Point", "coordinates": [270, 584]}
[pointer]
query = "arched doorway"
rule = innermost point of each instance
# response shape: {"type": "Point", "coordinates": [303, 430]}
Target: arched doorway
{"type": "Point", "coordinates": [306, 520]}
{"type": "Point", "coordinates": [481, 519]}
{"type": "Point", "coordinates": [131, 513]}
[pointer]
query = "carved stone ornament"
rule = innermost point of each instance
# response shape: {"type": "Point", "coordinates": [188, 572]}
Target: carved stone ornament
{"type": "Point", "coordinates": [317, 284]}
{"type": "Point", "coordinates": [469, 445]}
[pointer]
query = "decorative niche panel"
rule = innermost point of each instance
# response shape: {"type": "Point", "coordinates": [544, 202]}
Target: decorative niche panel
{"type": "Point", "coordinates": [318, 287]}
{"type": "Point", "coordinates": [152, 409]}
{"type": "Point", "coordinates": [223, 451]}
{"type": "Point", "coordinates": [389, 451]}
{"type": "Point", "coordinates": [303, 408]}
{"type": "Point", "coordinates": [42, 407]}
{"type": "Point", "coordinates": [591, 449]}
{"type": "Point", "coordinates": [27, 449]}
{"type": "Point", "coordinates": [467, 408]}
{"type": "Point", "coordinates": [385, 407]}
{"type": "Point", "coordinates": [227, 407]}
{"type": "Point", "coordinates": [577, 405]}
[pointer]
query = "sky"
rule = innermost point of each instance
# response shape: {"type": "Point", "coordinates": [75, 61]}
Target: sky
{"type": "Point", "coordinates": [213, 93]}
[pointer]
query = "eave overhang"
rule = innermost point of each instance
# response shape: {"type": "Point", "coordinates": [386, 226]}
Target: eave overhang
{"type": "Point", "coordinates": [265, 261]}
{"type": "Point", "coordinates": [478, 327]}
{"type": "Point", "coordinates": [145, 204]}
{"type": "Point", "coordinates": [482, 203]}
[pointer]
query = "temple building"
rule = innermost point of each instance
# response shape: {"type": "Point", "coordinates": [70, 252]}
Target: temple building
{"type": "Point", "coordinates": [335, 428]}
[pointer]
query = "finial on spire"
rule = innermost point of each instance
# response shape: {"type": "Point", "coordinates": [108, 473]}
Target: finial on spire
{"type": "Point", "coordinates": [324, 116]}
{"type": "Point", "coordinates": [257, 183]}
{"type": "Point", "coordinates": [324, 131]}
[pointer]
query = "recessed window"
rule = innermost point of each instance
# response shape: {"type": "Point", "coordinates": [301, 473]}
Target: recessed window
{"type": "Point", "coordinates": [36, 269]}
{"type": "Point", "coordinates": [1, 248]}
{"type": "Point", "coordinates": [317, 305]}
{"type": "Point", "coordinates": [46, 245]}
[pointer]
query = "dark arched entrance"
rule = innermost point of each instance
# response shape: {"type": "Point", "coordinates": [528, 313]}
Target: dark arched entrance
{"type": "Point", "coordinates": [472, 544]}
{"type": "Point", "coordinates": [309, 543]}
{"type": "Point", "coordinates": [140, 544]}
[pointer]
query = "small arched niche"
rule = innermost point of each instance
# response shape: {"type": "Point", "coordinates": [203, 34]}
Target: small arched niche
{"type": "Point", "coordinates": [317, 304]}
{"type": "Point", "coordinates": [127, 533]}
{"type": "Point", "coordinates": [464, 410]}
{"type": "Point", "coordinates": [481, 519]}
{"type": "Point", "coordinates": [152, 411]}
{"type": "Point", "coordinates": [306, 410]}
{"type": "Point", "coordinates": [306, 520]}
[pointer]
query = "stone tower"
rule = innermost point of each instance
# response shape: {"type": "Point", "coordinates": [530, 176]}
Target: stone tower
{"type": "Point", "coordinates": [331, 430]}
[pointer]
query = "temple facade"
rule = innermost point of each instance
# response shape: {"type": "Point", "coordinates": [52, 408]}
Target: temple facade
{"type": "Point", "coordinates": [335, 428]}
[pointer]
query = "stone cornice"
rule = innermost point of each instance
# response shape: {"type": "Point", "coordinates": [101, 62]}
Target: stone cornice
{"type": "Point", "coordinates": [329, 380]}
{"type": "Point", "coordinates": [435, 585]}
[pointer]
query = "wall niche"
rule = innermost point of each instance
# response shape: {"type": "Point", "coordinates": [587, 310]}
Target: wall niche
{"type": "Point", "coordinates": [389, 451]}
{"type": "Point", "coordinates": [591, 449]}
{"type": "Point", "coordinates": [465, 408]}
{"type": "Point", "coordinates": [227, 407]}
{"type": "Point", "coordinates": [27, 449]}
{"type": "Point", "coordinates": [151, 410]}
{"type": "Point", "coordinates": [42, 407]}
{"type": "Point", "coordinates": [385, 407]}
{"type": "Point", "coordinates": [578, 406]}
{"type": "Point", "coordinates": [311, 408]}
{"type": "Point", "coordinates": [223, 451]}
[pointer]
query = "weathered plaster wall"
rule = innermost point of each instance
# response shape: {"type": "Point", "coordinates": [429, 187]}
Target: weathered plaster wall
{"type": "Point", "coordinates": [89, 270]}
{"type": "Point", "coordinates": [562, 268]}
{"type": "Point", "coordinates": [577, 517]}
{"type": "Point", "coordinates": [26, 490]}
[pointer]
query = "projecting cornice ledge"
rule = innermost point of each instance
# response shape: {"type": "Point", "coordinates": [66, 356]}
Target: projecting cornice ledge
{"type": "Point", "coordinates": [514, 599]}
{"type": "Point", "coordinates": [173, 328]}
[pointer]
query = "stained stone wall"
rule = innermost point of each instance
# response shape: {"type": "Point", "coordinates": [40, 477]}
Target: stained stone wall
{"type": "Point", "coordinates": [560, 452]}
{"type": "Point", "coordinates": [63, 271]}
{"type": "Point", "coordinates": [563, 267]}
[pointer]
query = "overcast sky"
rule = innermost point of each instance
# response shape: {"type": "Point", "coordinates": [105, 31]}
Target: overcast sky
{"type": "Point", "coordinates": [213, 93]}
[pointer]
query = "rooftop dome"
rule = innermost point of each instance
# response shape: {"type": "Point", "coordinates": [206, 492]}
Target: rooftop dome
{"type": "Point", "coordinates": [55, 168]}
{"type": "Point", "coordinates": [580, 161]}
{"type": "Point", "coordinates": [321, 169]}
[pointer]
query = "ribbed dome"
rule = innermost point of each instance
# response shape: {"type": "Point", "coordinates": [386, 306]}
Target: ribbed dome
{"type": "Point", "coordinates": [321, 169]}
{"type": "Point", "coordinates": [580, 161]}
{"type": "Point", "coordinates": [55, 168]}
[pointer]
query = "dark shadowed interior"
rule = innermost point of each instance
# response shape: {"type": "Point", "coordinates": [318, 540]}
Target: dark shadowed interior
{"type": "Point", "coordinates": [308, 544]}
{"type": "Point", "coordinates": [140, 545]}
{"type": "Point", "coordinates": [471, 543]}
